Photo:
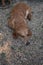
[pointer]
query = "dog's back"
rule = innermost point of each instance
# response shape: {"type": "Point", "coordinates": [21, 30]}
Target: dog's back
{"type": "Point", "coordinates": [22, 9]}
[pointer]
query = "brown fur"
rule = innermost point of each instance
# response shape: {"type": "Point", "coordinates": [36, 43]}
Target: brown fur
{"type": "Point", "coordinates": [21, 9]}
{"type": "Point", "coordinates": [18, 18]}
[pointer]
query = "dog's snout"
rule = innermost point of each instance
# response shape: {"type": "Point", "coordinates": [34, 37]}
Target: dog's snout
{"type": "Point", "coordinates": [27, 43]}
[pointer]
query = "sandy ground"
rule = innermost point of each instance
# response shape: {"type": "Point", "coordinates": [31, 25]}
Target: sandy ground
{"type": "Point", "coordinates": [15, 52]}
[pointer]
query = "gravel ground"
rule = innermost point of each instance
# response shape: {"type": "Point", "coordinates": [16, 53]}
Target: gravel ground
{"type": "Point", "coordinates": [14, 51]}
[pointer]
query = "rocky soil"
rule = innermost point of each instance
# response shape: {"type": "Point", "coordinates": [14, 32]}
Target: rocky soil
{"type": "Point", "coordinates": [14, 51]}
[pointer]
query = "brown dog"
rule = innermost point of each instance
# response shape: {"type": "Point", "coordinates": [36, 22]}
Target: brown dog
{"type": "Point", "coordinates": [17, 21]}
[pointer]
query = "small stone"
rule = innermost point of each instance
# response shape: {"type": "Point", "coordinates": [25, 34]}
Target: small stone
{"type": "Point", "coordinates": [1, 36]}
{"type": "Point", "coordinates": [0, 25]}
{"type": "Point", "coordinates": [3, 55]}
{"type": "Point", "coordinates": [42, 26]}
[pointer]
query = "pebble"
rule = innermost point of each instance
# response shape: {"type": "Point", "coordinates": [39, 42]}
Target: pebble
{"type": "Point", "coordinates": [1, 36]}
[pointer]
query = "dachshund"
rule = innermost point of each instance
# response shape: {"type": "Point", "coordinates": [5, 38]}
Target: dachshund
{"type": "Point", "coordinates": [17, 21]}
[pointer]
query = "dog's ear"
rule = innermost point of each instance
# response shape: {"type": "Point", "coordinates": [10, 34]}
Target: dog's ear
{"type": "Point", "coordinates": [29, 16]}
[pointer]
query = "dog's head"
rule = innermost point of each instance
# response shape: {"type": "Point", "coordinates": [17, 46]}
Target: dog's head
{"type": "Point", "coordinates": [25, 34]}
{"type": "Point", "coordinates": [24, 31]}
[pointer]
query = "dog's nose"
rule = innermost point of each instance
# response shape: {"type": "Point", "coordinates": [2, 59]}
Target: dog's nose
{"type": "Point", "coordinates": [27, 43]}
